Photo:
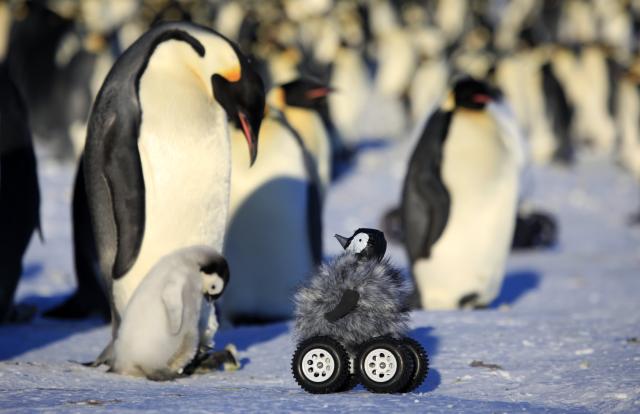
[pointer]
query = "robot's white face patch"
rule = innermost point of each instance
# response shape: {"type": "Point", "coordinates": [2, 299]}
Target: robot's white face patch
{"type": "Point", "coordinates": [358, 243]}
{"type": "Point", "coordinates": [212, 284]}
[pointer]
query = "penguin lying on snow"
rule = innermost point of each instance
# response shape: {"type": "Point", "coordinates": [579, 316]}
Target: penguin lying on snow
{"type": "Point", "coordinates": [156, 160]}
{"type": "Point", "coordinates": [459, 198]}
{"type": "Point", "coordinates": [167, 321]}
{"type": "Point", "coordinates": [356, 297]}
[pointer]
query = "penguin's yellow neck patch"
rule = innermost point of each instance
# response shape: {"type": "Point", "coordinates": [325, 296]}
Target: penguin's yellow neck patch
{"type": "Point", "coordinates": [232, 75]}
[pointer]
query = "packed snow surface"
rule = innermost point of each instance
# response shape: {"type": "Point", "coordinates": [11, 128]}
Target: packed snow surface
{"type": "Point", "coordinates": [562, 337]}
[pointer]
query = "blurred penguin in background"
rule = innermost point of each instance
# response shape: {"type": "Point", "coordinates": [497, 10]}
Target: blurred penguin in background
{"type": "Point", "coordinates": [19, 193]}
{"type": "Point", "coordinates": [460, 197]}
{"type": "Point", "coordinates": [628, 121]}
{"type": "Point", "coordinates": [273, 240]}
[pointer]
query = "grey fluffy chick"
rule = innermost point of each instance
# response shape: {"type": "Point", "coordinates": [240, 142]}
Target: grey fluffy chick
{"type": "Point", "coordinates": [356, 297]}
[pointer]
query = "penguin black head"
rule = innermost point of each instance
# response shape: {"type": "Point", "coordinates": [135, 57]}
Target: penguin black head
{"type": "Point", "coordinates": [473, 94]}
{"type": "Point", "coordinates": [242, 97]}
{"type": "Point", "coordinates": [305, 93]}
{"type": "Point", "coordinates": [365, 243]}
{"type": "Point", "coordinates": [215, 277]}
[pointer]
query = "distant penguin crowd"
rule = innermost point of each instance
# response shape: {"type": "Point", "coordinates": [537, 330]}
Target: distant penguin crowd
{"type": "Point", "coordinates": [221, 127]}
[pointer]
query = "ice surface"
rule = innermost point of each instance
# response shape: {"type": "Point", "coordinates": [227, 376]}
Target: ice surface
{"type": "Point", "coordinates": [563, 333]}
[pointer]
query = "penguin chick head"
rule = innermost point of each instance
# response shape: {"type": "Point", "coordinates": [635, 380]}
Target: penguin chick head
{"type": "Point", "coordinates": [365, 243]}
{"type": "Point", "coordinates": [470, 93]}
{"type": "Point", "coordinates": [305, 93]}
{"type": "Point", "coordinates": [215, 277]}
{"type": "Point", "coordinates": [242, 96]}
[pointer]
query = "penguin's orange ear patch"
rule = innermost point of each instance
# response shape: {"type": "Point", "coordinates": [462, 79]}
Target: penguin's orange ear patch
{"type": "Point", "coordinates": [232, 75]}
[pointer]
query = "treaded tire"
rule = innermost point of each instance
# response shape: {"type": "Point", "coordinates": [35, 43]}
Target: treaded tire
{"type": "Point", "coordinates": [320, 365]}
{"type": "Point", "coordinates": [351, 383]}
{"type": "Point", "coordinates": [420, 362]}
{"type": "Point", "coordinates": [384, 365]}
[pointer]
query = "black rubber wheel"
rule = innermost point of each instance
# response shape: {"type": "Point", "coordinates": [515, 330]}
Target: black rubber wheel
{"type": "Point", "coordinates": [320, 365]}
{"type": "Point", "coordinates": [384, 365]}
{"type": "Point", "coordinates": [420, 363]}
{"type": "Point", "coordinates": [351, 383]}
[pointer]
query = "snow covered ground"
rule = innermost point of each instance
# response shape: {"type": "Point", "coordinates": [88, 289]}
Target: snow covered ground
{"type": "Point", "coordinates": [562, 337]}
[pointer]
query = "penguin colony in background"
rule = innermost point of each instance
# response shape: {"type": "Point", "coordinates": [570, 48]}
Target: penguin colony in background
{"type": "Point", "coordinates": [568, 70]}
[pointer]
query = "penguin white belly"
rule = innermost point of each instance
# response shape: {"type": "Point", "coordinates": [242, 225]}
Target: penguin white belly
{"type": "Point", "coordinates": [184, 152]}
{"type": "Point", "coordinates": [145, 346]}
{"type": "Point", "coordinates": [628, 120]}
{"type": "Point", "coordinates": [397, 63]}
{"type": "Point", "coordinates": [428, 87]}
{"type": "Point", "coordinates": [352, 89]}
{"type": "Point", "coordinates": [481, 175]}
{"type": "Point", "coordinates": [267, 243]}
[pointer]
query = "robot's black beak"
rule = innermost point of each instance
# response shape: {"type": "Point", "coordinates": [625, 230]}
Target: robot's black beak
{"type": "Point", "coordinates": [344, 241]}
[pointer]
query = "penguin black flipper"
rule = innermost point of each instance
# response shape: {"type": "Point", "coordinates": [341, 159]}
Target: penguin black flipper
{"type": "Point", "coordinates": [425, 198]}
{"type": "Point", "coordinates": [123, 184]}
{"type": "Point", "coordinates": [348, 303]}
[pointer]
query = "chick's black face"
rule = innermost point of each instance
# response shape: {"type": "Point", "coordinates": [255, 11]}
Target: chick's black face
{"type": "Point", "coordinates": [473, 94]}
{"type": "Point", "coordinates": [215, 278]}
{"type": "Point", "coordinates": [305, 93]}
{"type": "Point", "coordinates": [243, 101]}
{"type": "Point", "coordinates": [365, 243]}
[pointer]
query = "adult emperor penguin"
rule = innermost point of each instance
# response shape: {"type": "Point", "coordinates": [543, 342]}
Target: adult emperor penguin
{"type": "Point", "coordinates": [459, 199]}
{"type": "Point", "coordinates": [275, 217]}
{"type": "Point", "coordinates": [19, 194]}
{"type": "Point", "coordinates": [157, 156]}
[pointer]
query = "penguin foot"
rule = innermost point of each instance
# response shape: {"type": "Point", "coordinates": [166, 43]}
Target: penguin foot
{"type": "Point", "coordinates": [20, 313]}
{"type": "Point", "coordinates": [105, 358]}
{"type": "Point", "coordinates": [212, 361]}
{"type": "Point", "coordinates": [77, 308]}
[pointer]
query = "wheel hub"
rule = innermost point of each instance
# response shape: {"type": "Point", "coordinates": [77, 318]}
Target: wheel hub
{"type": "Point", "coordinates": [317, 365]}
{"type": "Point", "coordinates": [380, 365]}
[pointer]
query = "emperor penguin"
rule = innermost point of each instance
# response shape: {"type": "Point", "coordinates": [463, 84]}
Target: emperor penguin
{"type": "Point", "coordinates": [169, 316]}
{"type": "Point", "coordinates": [275, 218]}
{"type": "Point", "coordinates": [460, 196]}
{"type": "Point", "coordinates": [157, 155]}
{"type": "Point", "coordinates": [19, 193]}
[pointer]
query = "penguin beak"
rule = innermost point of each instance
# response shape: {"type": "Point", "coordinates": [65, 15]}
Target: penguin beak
{"type": "Point", "coordinates": [317, 93]}
{"type": "Point", "coordinates": [251, 137]}
{"type": "Point", "coordinates": [342, 240]}
{"type": "Point", "coordinates": [481, 98]}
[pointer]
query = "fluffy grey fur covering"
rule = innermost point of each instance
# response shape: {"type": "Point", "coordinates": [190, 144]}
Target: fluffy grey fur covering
{"type": "Point", "coordinates": [381, 309]}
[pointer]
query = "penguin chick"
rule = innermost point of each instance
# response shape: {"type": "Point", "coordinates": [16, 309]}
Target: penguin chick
{"type": "Point", "coordinates": [166, 320]}
{"type": "Point", "coordinates": [357, 296]}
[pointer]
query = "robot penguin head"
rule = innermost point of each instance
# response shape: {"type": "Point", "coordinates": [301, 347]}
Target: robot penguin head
{"type": "Point", "coordinates": [365, 243]}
